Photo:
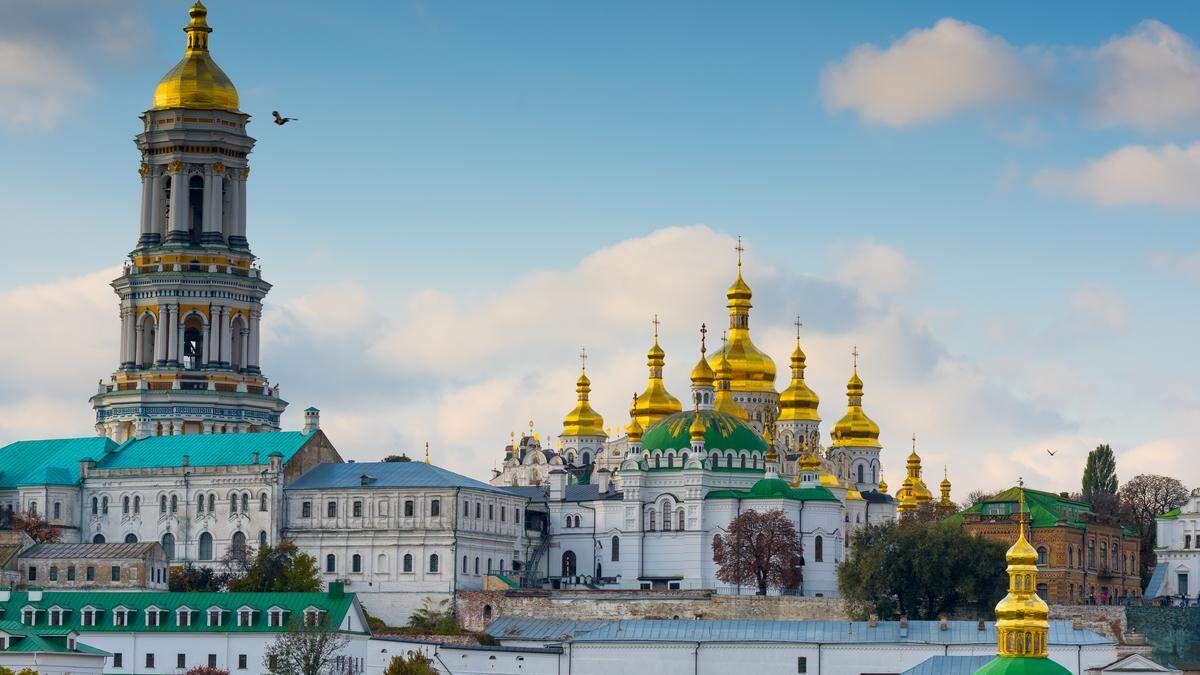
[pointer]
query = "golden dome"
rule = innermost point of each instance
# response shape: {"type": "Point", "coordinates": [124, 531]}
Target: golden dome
{"type": "Point", "coordinates": [583, 420]}
{"type": "Point", "coordinates": [809, 461]}
{"type": "Point", "coordinates": [702, 374]}
{"type": "Point", "coordinates": [196, 82]}
{"type": "Point", "coordinates": [723, 401]}
{"type": "Point", "coordinates": [752, 369]}
{"type": "Point", "coordinates": [853, 495]}
{"type": "Point", "coordinates": [945, 486]}
{"type": "Point", "coordinates": [1022, 617]}
{"type": "Point", "coordinates": [697, 428]}
{"type": "Point", "coordinates": [855, 429]}
{"type": "Point", "coordinates": [798, 403]}
{"type": "Point", "coordinates": [656, 402]}
{"type": "Point", "coordinates": [634, 430]}
{"type": "Point", "coordinates": [883, 486]}
{"type": "Point", "coordinates": [913, 491]}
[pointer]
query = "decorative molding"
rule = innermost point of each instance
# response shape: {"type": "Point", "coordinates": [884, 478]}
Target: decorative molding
{"type": "Point", "coordinates": [144, 170]}
{"type": "Point", "coordinates": [218, 167]}
{"type": "Point", "coordinates": [175, 166]}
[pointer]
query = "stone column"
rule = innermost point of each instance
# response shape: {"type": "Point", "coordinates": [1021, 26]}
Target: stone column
{"type": "Point", "coordinates": [149, 183]}
{"type": "Point", "coordinates": [172, 334]}
{"type": "Point", "coordinates": [125, 324]}
{"type": "Point", "coordinates": [214, 336]}
{"type": "Point", "coordinates": [226, 338]}
{"type": "Point", "coordinates": [139, 344]}
{"type": "Point", "coordinates": [157, 208]}
{"type": "Point", "coordinates": [177, 223]}
{"type": "Point", "coordinates": [255, 334]}
{"type": "Point", "coordinates": [160, 336]}
{"type": "Point", "coordinates": [233, 227]}
{"type": "Point", "coordinates": [212, 205]}
{"type": "Point", "coordinates": [205, 339]}
{"type": "Point", "coordinates": [244, 337]}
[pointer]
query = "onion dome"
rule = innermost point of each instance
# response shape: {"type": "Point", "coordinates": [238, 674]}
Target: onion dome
{"type": "Point", "coordinates": [945, 486]}
{"type": "Point", "coordinates": [855, 429]}
{"type": "Point", "coordinates": [723, 401]}
{"type": "Point", "coordinates": [697, 429]}
{"type": "Point", "coordinates": [913, 492]}
{"type": "Point", "coordinates": [721, 432]}
{"type": "Point", "coordinates": [196, 82]}
{"type": "Point", "coordinates": [752, 369]}
{"type": "Point", "coordinates": [798, 403]}
{"type": "Point", "coordinates": [883, 488]}
{"type": "Point", "coordinates": [656, 402]}
{"type": "Point", "coordinates": [702, 374]}
{"type": "Point", "coordinates": [583, 420]}
{"type": "Point", "coordinates": [809, 461]}
{"type": "Point", "coordinates": [634, 430]}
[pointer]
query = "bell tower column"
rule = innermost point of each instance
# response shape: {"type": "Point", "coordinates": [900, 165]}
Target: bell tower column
{"type": "Point", "coordinates": [177, 217]}
{"type": "Point", "coordinates": [213, 196]}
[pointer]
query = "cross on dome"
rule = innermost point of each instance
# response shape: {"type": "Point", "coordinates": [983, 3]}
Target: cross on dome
{"type": "Point", "coordinates": [655, 321]}
{"type": "Point", "coordinates": [583, 358]}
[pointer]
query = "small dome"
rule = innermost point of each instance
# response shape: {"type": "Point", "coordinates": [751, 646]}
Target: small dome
{"type": "Point", "coordinates": [721, 432]}
{"type": "Point", "coordinates": [883, 486]}
{"type": "Point", "coordinates": [855, 429]}
{"type": "Point", "coordinates": [196, 82]}
{"type": "Point", "coordinates": [697, 429]}
{"type": "Point", "coordinates": [656, 402]}
{"type": "Point", "coordinates": [583, 420]}
{"type": "Point", "coordinates": [702, 374]}
{"type": "Point", "coordinates": [798, 403]}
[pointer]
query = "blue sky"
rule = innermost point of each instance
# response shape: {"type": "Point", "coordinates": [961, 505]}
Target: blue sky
{"type": "Point", "coordinates": [466, 151]}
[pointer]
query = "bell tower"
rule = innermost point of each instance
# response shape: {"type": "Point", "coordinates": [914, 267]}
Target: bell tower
{"type": "Point", "coordinates": [190, 294]}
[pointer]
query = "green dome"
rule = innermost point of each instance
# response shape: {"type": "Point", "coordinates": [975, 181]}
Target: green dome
{"type": "Point", "coordinates": [776, 488]}
{"type": "Point", "coordinates": [1022, 665]}
{"type": "Point", "coordinates": [722, 432]}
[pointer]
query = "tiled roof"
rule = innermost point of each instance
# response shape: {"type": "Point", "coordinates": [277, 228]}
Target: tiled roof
{"type": "Point", "coordinates": [89, 551]}
{"type": "Point", "coordinates": [827, 632]}
{"type": "Point", "coordinates": [50, 461]}
{"type": "Point", "coordinates": [295, 603]}
{"type": "Point", "coordinates": [205, 450]}
{"type": "Point", "coordinates": [386, 475]}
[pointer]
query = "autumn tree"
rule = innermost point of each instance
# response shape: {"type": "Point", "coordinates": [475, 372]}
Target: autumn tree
{"type": "Point", "coordinates": [188, 578]}
{"type": "Point", "coordinates": [38, 528]}
{"type": "Point", "coordinates": [760, 548]}
{"type": "Point", "coordinates": [206, 670]}
{"type": "Point", "coordinates": [305, 648]}
{"type": "Point", "coordinates": [1145, 497]}
{"type": "Point", "coordinates": [922, 570]}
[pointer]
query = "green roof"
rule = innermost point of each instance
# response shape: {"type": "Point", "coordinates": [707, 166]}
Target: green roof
{"type": "Point", "coordinates": [336, 605]}
{"type": "Point", "coordinates": [49, 462]}
{"type": "Point", "coordinates": [28, 644]}
{"type": "Point", "coordinates": [1046, 509]}
{"type": "Point", "coordinates": [1022, 665]}
{"type": "Point", "coordinates": [205, 450]}
{"type": "Point", "coordinates": [721, 432]}
{"type": "Point", "coordinates": [1171, 515]}
{"type": "Point", "coordinates": [776, 488]}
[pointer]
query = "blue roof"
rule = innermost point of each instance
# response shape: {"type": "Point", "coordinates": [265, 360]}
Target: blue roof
{"type": "Point", "coordinates": [50, 461]}
{"type": "Point", "coordinates": [205, 450]}
{"type": "Point", "coordinates": [811, 632]}
{"type": "Point", "coordinates": [949, 665]}
{"type": "Point", "coordinates": [386, 475]}
{"type": "Point", "coordinates": [548, 630]}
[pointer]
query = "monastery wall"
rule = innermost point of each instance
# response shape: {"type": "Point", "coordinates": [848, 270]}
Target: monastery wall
{"type": "Point", "coordinates": [631, 604]}
{"type": "Point", "coordinates": [1107, 620]}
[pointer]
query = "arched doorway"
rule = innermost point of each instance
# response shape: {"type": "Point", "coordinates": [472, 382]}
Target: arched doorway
{"type": "Point", "coordinates": [206, 548]}
{"type": "Point", "coordinates": [568, 563]}
{"type": "Point", "coordinates": [131, 538]}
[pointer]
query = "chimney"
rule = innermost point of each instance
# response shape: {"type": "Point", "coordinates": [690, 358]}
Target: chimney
{"type": "Point", "coordinates": [84, 466]}
{"type": "Point", "coordinates": [943, 624]}
{"type": "Point", "coordinates": [603, 480]}
{"type": "Point", "coordinates": [312, 420]}
{"type": "Point", "coordinates": [337, 590]}
{"type": "Point", "coordinates": [558, 484]}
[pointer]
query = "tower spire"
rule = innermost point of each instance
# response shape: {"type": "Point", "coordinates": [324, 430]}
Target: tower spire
{"type": "Point", "coordinates": [656, 402]}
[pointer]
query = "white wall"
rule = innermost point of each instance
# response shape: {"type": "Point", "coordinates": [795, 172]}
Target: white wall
{"type": "Point", "coordinates": [196, 647]}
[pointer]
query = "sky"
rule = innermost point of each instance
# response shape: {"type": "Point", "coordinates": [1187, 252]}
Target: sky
{"type": "Point", "coordinates": [997, 203]}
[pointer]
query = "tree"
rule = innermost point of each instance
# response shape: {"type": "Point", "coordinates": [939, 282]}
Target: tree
{"type": "Point", "coordinates": [432, 618]}
{"type": "Point", "coordinates": [305, 648]}
{"type": "Point", "coordinates": [923, 570]}
{"type": "Point", "coordinates": [191, 579]}
{"type": "Point", "coordinates": [976, 496]}
{"type": "Point", "coordinates": [38, 528]}
{"type": "Point", "coordinates": [1099, 477]}
{"type": "Point", "coordinates": [397, 458]}
{"type": "Point", "coordinates": [1144, 498]}
{"type": "Point", "coordinates": [759, 548]}
{"type": "Point", "coordinates": [279, 569]}
{"type": "Point", "coordinates": [412, 663]}
{"type": "Point", "coordinates": [205, 670]}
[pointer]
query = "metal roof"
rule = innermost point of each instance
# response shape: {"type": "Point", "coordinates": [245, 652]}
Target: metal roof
{"type": "Point", "coordinates": [548, 630]}
{"type": "Point", "coordinates": [949, 665]}
{"type": "Point", "coordinates": [826, 632]}
{"type": "Point", "coordinates": [386, 475]}
{"type": "Point", "coordinates": [49, 461]}
{"type": "Point", "coordinates": [205, 450]}
{"type": "Point", "coordinates": [588, 492]}
{"type": "Point", "coordinates": [139, 549]}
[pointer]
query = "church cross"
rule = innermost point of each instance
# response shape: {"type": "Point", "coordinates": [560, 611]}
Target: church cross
{"type": "Point", "coordinates": [703, 334]}
{"type": "Point", "coordinates": [655, 321]}
{"type": "Point", "coordinates": [739, 250]}
{"type": "Point", "coordinates": [583, 358]}
{"type": "Point", "coordinates": [798, 325]}
{"type": "Point", "coordinates": [854, 352]}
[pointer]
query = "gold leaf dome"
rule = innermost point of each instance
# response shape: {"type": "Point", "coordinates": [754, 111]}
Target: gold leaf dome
{"type": "Point", "coordinates": [196, 82]}
{"type": "Point", "coordinates": [855, 429]}
{"type": "Point", "coordinates": [583, 420]}
{"type": "Point", "coordinates": [752, 369]}
{"type": "Point", "coordinates": [798, 403]}
{"type": "Point", "coordinates": [656, 402]}
{"type": "Point", "coordinates": [1022, 617]}
{"type": "Point", "coordinates": [723, 400]}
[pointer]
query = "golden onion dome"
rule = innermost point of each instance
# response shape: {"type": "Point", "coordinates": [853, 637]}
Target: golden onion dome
{"type": "Point", "coordinates": [656, 402]}
{"type": "Point", "coordinates": [853, 495]}
{"type": "Point", "coordinates": [855, 429]}
{"type": "Point", "coordinates": [1022, 617]}
{"type": "Point", "coordinates": [723, 401]}
{"type": "Point", "coordinates": [753, 370]}
{"type": "Point", "coordinates": [798, 403]}
{"type": "Point", "coordinates": [702, 374]}
{"type": "Point", "coordinates": [697, 428]}
{"type": "Point", "coordinates": [883, 486]}
{"type": "Point", "coordinates": [196, 82]}
{"type": "Point", "coordinates": [634, 431]}
{"type": "Point", "coordinates": [583, 420]}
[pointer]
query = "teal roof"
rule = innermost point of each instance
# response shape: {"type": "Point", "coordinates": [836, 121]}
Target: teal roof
{"type": "Point", "coordinates": [722, 432]}
{"type": "Point", "coordinates": [1022, 665]}
{"type": "Point", "coordinates": [205, 450]}
{"type": "Point", "coordinates": [1170, 515]}
{"type": "Point", "coordinates": [33, 643]}
{"type": "Point", "coordinates": [775, 488]}
{"type": "Point", "coordinates": [49, 462]}
{"type": "Point", "coordinates": [336, 605]}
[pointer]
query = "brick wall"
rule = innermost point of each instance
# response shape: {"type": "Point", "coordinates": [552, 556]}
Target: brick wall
{"type": "Point", "coordinates": [632, 604]}
{"type": "Point", "coordinates": [1107, 620]}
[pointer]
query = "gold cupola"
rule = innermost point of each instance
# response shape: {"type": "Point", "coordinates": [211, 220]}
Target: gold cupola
{"type": "Point", "coordinates": [583, 420]}
{"type": "Point", "coordinates": [656, 402]}
{"type": "Point", "coordinates": [752, 369]}
{"type": "Point", "coordinates": [855, 429]}
{"type": "Point", "coordinates": [703, 375]}
{"type": "Point", "coordinates": [1022, 617]}
{"type": "Point", "coordinates": [883, 486]}
{"type": "Point", "coordinates": [798, 403]}
{"type": "Point", "coordinates": [913, 492]}
{"type": "Point", "coordinates": [634, 431]}
{"type": "Point", "coordinates": [196, 82]}
{"type": "Point", "coordinates": [723, 400]}
{"type": "Point", "coordinates": [945, 486]}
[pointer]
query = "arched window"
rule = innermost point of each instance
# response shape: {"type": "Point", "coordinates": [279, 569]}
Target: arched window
{"type": "Point", "coordinates": [671, 461]}
{"type": "Point", "coordinates": [658, 461]}
{"type": "Point", "coordinates": [356, 563]}
{"type": "Point", "coordinates": [125, 505]}
{"type": "Point", "coordinates": [615, 547]}
{"type": "Point", "coordinates": [435, 508]}
{"type": "Point", "coordinates": [193, 342]}
{"type": "Point", "coordinates": [568, 563]}
{"type": "Point", "coordinates": [716, 457]}
{"type": "Point", "coordinates": [168, 544]}
{"type": "Point", "coordinates": [743, 461]}
{"type": "Point", "coordinates": [679, 519]}
{"type": "Point", "coordinates": [1070, 556]}
{"type": "Point", "coordinates": [331, 510]}
{"type": "Point", "coordinates": [95, 506]}
{"type": "Point", "coordinates": [729, 459]}
{"type": "Point", "coordinates": [476, 564]}
{"type": "Point", "coordinates": [238, 542]}
{"type": "Point", "coordinates": [1041, 553]}
{"type": "Point", "coordinates": [262, 538]}
{"type": "Point", "coordinates": [331, 563]}
{"type": "Point", "coordinates": [195, 208]}
{"type": "Point", "coordinates": [212, 503]}
{"type": "Point", "coordinates": [131, 538]}
{"type": "Point", "coordinates": [145, 358]}
{"type": "Point", "coordinates": [819, 549]}
{"type": "Point", "coordinates": [433, 563]}
{"type": "Point", "coordinates": [262, 502]}
{"type": "Point", "coordinates": [587, 458]}
{"type": "Point", "coordinates": [162, 504]}
{"type": "Point", "coordinates": [487, 612]}
{"type": "Point", "coordinates": [104, 505]}
{"type": "Point", "coordinates": [860, 474]}
{"type": "Point", "coordinates": [245, 502]}
{"type": "Point", "coordinates": [238, 331]}
{"type": "Point", "coordinates": [98, 539]}
{"type": "Point", "coordinates": [233, 503]}
{"type": "Point", "coordinates": [489, 567]}
{"type": "Point", "coordinates": [666, 517]}
{"type": "Point", "coordinates": [174, 504]}
{"type": "Point", "coordinates": [137, 504]}
{"type": "Point", "coordinates": [652, 520]}
{"type": "Point", "coordinates": [206, 546]}
{"type": "Point", "coordinates": [408, 563]}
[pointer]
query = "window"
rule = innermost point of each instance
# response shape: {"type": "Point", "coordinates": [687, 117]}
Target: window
{"type": "Point", "coordinates": [200, 504]}
{"type": "Point", "coordinates": [502, 514]}
{"type": "Point", "coordinates": [465, 569]}
{"type": "Point", "coordinates": [131, 538]}
{"type": "Point", "coordinates": [306, 510]}
{"type": "Point", "coordinates": [679, 520]}
{"type": "Point", "coordinates": [1041, 555]}
{"type": "Point", "coordinates": [245, 502]}
{"type": "Point", "coordinates": [408, 508]}
{"type": "Point", "coordinates": [491, 512]}
{"type": "Point", "coordinates": [91, 573]}
{"type": "Point", "coordinates": [262, 538]}
{"type": "Point", "coordinates": [168, 544]}
{"type": "Point", "coordinates": [33, 572]}
{"type": "Point", "coordinates": [71, 573]}
{"type": "Point", "coordinates": [117, 661]}
{"type": "Point", "coordinates": [120, 617]}
{"type": "Point", "coordinates": [206, 546]}
{"type": "Point", "coordinates": [1070, 556]}
{"type": "Point", "coordinates": [233, 503]}
{"type": "Point", "coordinates": [241, 661]}
{"type": "Point", "coordinates": [125, 505]}
{"type": "Point", "coordinates": [183, 617]}
{"type": "Point", "coordinates": [57, 510]}
{"type": "Point", "coordinates": [356, 509]}
{"type": "Point", "coordinates": [331, 510]}
{"type": "Point", "coordinates": [433, 563]}
{"type": "Point", "coordinates": [104, 506]}
{"type": "Point", "coordinates": [212, 660]}
{"type": "Point", "coordinates": [212, 503]}
{"type": "Point", "coordinates": [54, 573]}
{"type": "Point", "coordinates": [116, 572]}
{"type": "Point", "coordinates": [615, 547]}
{"type": "Point", "coordinates": [262, 507]}
{"type": "Point", "coordinates": [88, 616]}
{"type": "Point", "coordinates": [162, 504]}
{"type": "Point", "coordinates": [29, 616]}
{"type": "Point", "coordinates": [478, 509]}
{"type": "Point", "coordinates": [517, 516]}
{"type": "Point", "coordinates": [435, 508]}
{"type": "Point", "coordinates": [489, 567]}
{"type": "Point", "coordinates": [568, 563]}
{"type": "Point", "coordinates": [652, 520]}
{"type": "Point", "coordinates": [214, 616]}
{"type": "Point", "coordinates": [245, 617]}
{"type": "Point", "coordinates": [174, 504]}
{"type": "Point", "coordinates": [476, 565]}
{"type": "Point", "coordinates": [180, 661]}
{"type": "Point", "coordinates": [331, 563]}
{"type": "Point", "coordinates": [356, 563]}
{"type": "Point", "coordinates": [137, 505]}
{"type": "Point", "coordinates": [801, 664]}
{"type": "Point", "coordinates": [95, 506]}
{"type": "Point", "coordinates": [818, 549]}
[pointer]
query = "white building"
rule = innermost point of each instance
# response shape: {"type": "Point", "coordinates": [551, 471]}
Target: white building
{"type": "Point", "coordinates": [399, 532]}
{"type": "Point", "coordinates": [1177, 552]}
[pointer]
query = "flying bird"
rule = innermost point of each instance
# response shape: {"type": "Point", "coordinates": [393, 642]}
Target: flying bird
{"type": "Point", "coordinates": [283, 120]}
{"type": "Point", "coordinates": [1052, 452]}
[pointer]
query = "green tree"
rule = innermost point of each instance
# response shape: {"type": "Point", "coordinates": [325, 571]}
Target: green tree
{"type": "Point", "coordinates": [922, 570]}
{"type": "Point", "coordinates": [432, 618]}
{"type": "Point", "coordinates": [412, 663]}
{"type": "Point", "coordinates": [187, 578]}
{"type": "Point", "coordinates": [397, 458]}
{"type": "Point", "coordinates": [279, 569]}
{"type": "Point", "coordinates": [1100, 476]}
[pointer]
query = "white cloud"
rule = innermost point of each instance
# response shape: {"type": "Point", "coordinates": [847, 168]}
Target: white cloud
{"type": "Point", "coordinates": [37, 84]}
{"type": "Point", "coordinates": [877, 271]}
{"type": "Point", "coordinates": [1099, 307]}
{"type": "Point", "coordinates": [929, 74]}
{"type": "Point", "coordinates": [1149, 79]}
{"type": "Point", "coordinates": [1166, 177]}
